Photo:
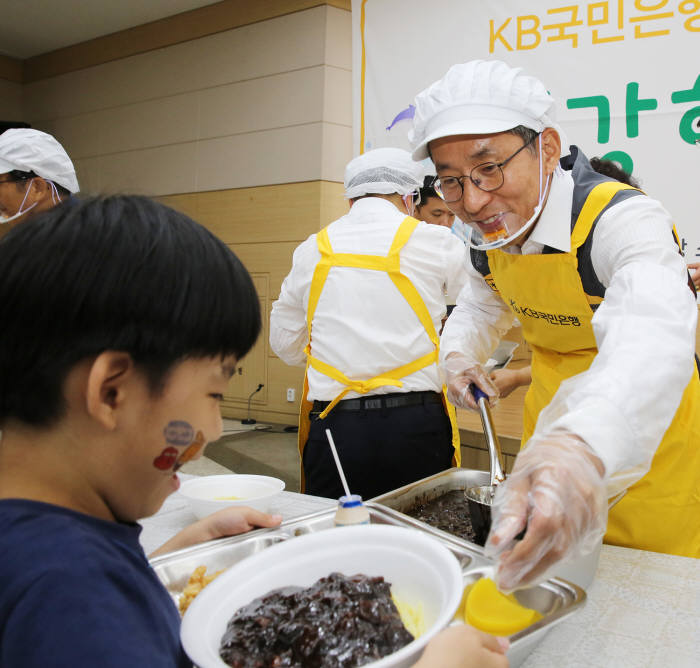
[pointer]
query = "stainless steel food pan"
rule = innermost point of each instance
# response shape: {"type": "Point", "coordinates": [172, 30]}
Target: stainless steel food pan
{"type": "Point", "coordinates": [580, 571]}
{"type": "Point", "coordinates": [554, 599]}
{"type": "Point", "coordinates": [422, 491]}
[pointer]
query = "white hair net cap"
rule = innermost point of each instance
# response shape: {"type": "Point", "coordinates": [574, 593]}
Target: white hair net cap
{"type": "Point", "coordinates": [34, 151]}
{"type": "Point", "coordinates": [383, 171]}
{"type": "Point", "coordinates": [481, 97]}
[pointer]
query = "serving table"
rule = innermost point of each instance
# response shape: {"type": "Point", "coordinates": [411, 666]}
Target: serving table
{"type": "Point", "coordinates": [642, 610]}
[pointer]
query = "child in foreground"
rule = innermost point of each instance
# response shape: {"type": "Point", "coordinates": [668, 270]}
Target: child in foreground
{"type": "Point", "coordinates": [122, 323]}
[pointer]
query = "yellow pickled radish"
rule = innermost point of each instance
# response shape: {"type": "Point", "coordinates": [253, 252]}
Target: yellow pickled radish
{"type": "Point", "coordinates": [487, 609]}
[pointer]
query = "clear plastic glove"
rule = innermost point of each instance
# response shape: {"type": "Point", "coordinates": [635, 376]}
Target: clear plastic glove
{"type": "Point", "coordinates": [460, 372]}
{"type": "Point", "coordinates": [558, 491]}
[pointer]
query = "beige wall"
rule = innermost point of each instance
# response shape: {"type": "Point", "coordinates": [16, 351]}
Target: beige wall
{"type": "Point", "coordinates": [247, 130]}
{"type": "Point", "coordinates": [265, 103]}
{"type": "Point", "coordinates": [11, 96]}
{"type": "Point", "coordinates": [247, 219]}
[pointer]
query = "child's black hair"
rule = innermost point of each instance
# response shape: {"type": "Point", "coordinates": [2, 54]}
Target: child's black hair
{"type": "Point", "coordinates": [116, 273]}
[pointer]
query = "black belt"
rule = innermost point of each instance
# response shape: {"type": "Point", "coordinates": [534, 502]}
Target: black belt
{"type": "Point", "coordinates": [381, 401]}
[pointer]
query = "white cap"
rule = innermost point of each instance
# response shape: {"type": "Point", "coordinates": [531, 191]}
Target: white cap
{"type": "Point", "coordinates": [481, 97]}
{"type": "Point", "coordinates": [383, 171]}
{"type": "Point", "coordinates": [33, 151]}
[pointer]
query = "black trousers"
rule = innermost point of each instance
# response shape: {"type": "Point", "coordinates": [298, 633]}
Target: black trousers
{"type": "Point", "coordinates": [379, 449]}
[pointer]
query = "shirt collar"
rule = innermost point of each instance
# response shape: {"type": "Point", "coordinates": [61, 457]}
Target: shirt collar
{"type": "Point", "coordinates": [374, 205]}
{"type": "Point", "coordinates": [554, 226]}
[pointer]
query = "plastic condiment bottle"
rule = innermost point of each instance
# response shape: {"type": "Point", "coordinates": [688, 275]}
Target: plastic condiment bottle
{"type": "Point", "coordinates": [351, 511]}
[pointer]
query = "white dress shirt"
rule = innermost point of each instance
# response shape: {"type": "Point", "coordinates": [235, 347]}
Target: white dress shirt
{"type": "Point", "coordinates": [644, 330]}
{"type": "Point", "coordinates": [362, 325]}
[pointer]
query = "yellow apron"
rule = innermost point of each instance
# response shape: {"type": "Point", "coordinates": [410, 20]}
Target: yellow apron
{"type": "Point", "coordinates": [661, 512]}
{"type": "Point", "coordinates": [391, 265]}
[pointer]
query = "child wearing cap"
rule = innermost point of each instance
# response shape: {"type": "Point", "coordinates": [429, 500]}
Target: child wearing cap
{"type": "Point", "coordinates": [123, 321]}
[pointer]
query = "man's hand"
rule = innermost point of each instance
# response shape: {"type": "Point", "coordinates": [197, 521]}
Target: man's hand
{"type": "Point", "coordinates": [694, 269]}
{"type": "Point", "coordinates": [507, 380]}
{"type": "Point", "coordinates": [557, 490]}
{"type": "Point", "coordinates": [460, 373]}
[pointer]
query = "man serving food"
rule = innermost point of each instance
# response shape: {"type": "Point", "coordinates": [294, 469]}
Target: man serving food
{"type": "Point", "coordinates": [591, 269]}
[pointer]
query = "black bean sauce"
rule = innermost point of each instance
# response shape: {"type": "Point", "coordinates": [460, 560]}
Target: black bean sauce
{"type": "Point", "coordinates": [449, 512]}
{"type": "Point", "coordinates": [338, 622]}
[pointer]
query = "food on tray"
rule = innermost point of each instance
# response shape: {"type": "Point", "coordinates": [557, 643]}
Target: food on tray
{"type": "Point", "coordinates": [489, 610]}
{"type": "Point", "coordinates": [198, 580]}
{"type": "Point", "coordinates": [449, 512]}
{"type": "Point", "coordinates": [339, 621]}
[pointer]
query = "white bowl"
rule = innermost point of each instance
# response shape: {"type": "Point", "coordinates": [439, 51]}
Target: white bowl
{"type": "Point", "coordinates": [421, 571]}
{"type": "Point", "coordinates": [207, 494]}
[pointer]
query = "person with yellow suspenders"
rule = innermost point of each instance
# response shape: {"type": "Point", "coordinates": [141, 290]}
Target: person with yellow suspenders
{"type": "Point", "coordinates": [361, 308]}
{"type": "Point", "coordinates": [591, 269]}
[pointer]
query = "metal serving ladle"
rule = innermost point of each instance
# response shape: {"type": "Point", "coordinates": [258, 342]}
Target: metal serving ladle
{"type": "Point", "coordinates": [480, 498]}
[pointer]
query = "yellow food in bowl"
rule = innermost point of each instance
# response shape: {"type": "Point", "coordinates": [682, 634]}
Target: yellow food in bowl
{"type": "Point", "coordinates": [411, 615]}
{"type": "Point", "coordinates": [487, 609]}
{"type": "Point", "coordinates": [228, 498]}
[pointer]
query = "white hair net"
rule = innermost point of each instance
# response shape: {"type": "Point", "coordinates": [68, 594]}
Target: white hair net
{"type": "Point", "coordinates": [481, 97]}
{"type": "Point", "coordinates": [34, 151]}
{"type": "Point", "coordinates": [383, 171]}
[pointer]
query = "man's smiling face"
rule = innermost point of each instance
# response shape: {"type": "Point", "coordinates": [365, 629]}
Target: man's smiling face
{"type": "Point", "coordinates": [512, 204]}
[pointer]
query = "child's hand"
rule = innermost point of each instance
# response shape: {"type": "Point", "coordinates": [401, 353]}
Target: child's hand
{"type": "Point", "coordinates": [462, 646]}
{"type": "Point", "coordinates": [235, 520]}
{"type": "Point", "coordinates": [694, 269]}
{"type": "Point", "coordinates": [507, 380]}
{"type": "Point", "coordinates": [226, 522]}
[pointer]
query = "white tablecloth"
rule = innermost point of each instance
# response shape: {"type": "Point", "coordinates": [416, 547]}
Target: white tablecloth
{"type": "Point", "coordinates": [642, 611]}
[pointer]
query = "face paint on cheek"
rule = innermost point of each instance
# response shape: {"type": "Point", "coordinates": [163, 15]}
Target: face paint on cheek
{"type": "Point", "coordinates": [178, 432]}
{"type": "Point", "coordinates": [166, 459]}
{"type": "Point", "coordinates": [190, 453]}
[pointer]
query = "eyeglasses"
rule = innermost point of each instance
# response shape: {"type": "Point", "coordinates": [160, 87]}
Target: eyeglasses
{"type": "Point", "coordinates": [487, 176]}
{"type": "Point", "coordinates": [15, 179]}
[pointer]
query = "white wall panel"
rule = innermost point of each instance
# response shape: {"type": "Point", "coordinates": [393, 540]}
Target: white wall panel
{"type": "Point", "coordinates": [266, 103]}
{"type": "Point", "coordinates": [281, 100]}
{"type": "Point", "coordinates": [283, 155]}
{"type": "Point", "coordinates": [339, 38]}
{"type": "Point", "coordinates": [151, 171]}
{"type": "Point", "coordinates": [336, 151]}
{"type": "Point", "coordinates": [282, 44]}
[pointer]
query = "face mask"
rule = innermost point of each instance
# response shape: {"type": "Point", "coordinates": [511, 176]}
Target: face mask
{"type": "Point", "coordinates": [409, 203]}
{"type": "Point", "coordinates": [20, 211]}
{"type": "Point", "coordinates": [510, 226]}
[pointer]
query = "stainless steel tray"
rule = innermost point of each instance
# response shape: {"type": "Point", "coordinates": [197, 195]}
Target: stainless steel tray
{"type": "Point", "coordinates": [554, 599]}
{"type": "Point", "coordinates": [580, 571]}
{"type": "Point", "coordinates": [175, 568]}
{"type": "Point", "coordinates": [398, 501]}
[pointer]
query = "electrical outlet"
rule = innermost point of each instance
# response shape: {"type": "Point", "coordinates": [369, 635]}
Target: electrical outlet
{"type": "Point", "coordinates": [290, 394]}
